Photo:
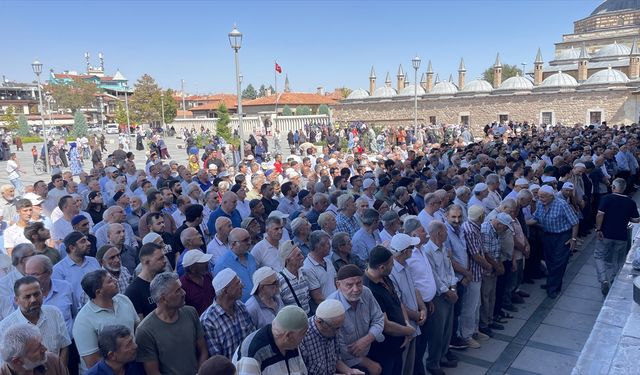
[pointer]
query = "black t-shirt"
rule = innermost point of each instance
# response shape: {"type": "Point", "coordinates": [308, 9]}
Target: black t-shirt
{"type": "Point", "coordinates": [618, 210]}
{"type": "Point", "coordinates": [140, 295]}
{"type": "Point", "coordinates": [390, 305]}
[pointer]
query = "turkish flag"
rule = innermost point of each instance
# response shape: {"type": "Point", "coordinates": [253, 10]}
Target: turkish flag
{"type": "Point", "coordinates": [278, 68]}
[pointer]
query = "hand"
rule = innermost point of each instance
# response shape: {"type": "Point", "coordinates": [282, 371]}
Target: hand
{"type": "Point", "coordinates": [407, 340]}
{"type": "Point", "coordinates": [465, 281]}
{"type": "Point", "coordinates": [451, 296]}
{"type": "Point", "coordinates": [431, 307]}
{"type": "Point", "coordinates": [571, 243]}
{"type": "Point", "coordinates": [500, 269]}
{"type": "Point", "coordinates": [354, 371]}
{"type": "Point", "coordinates": [600, 235]}
{"type": "Point", "coordinates": [359, 348]}
{"type": "Point", "coordinates": [422, 317]}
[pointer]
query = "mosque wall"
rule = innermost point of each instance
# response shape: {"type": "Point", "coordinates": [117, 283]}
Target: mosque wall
{"type": "Point", "coordinates": [614, 106]}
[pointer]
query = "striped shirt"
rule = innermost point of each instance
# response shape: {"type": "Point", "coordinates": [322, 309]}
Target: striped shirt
{"type": "Point", "coordinates": [557, 217]}
{"type": "Point", "coordinates": [473, 236]}
{"type": "Point", "coordinates": [490, 240]}
{"type": "Point", "coordinates": [50, 323]}
{"type": "Point", "coordinates": [222, 332]}
{"type": "Point", "coordinates": [300, 289]}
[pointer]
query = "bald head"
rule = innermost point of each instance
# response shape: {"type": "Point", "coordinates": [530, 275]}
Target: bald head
{"type": "Point", "coordinates": [115, 234]}
{"type": "Point", "coordinates": [223, 227]}
{"type": "Point", "coordinates": [229, 201]}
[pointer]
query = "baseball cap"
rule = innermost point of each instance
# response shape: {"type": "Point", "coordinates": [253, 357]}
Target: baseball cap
{"type": "Point", "coordinates": [401, 241]}
{"type": "Point", "coordinates": [505, 219]}
{"type": "Point", "coordinates": [568, 185]}
{"type": "Point", "coordinates": [480, 187]}
{"type": "Point", "coordinates": [34, 198]}
{"type": "Point", "coordinates": [260, 275]}
{"type": "Point", "coordinates": [192, 257]}
{"type": "Point", "coordinates": [367, 183]}
{"type": "Point", "coordinates": [278, 214]}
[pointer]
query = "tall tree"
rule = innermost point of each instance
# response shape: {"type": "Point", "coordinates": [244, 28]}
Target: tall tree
{"type": "Point", "coordinates": [170, 106]}
{"type": "Point", "coordinates": [344, 91]}
{"type": "Point", "coordinates": [79, 125]}
{"type": "Point", "coordinates": [23, 126]}
{"type": "Point", "coordinates": [286, 111]}
{"type": "Point", "coordinates": [273, 91]}
{"type": "Point", "coordinates": [249, 92]}
{"type": "Point", "coordinates": [145, 104]}
{"type": "Point", "coordinates": [9, 119]}
{"type": "Point", "coordinates": [222, 126]}
{"type": "Point", "coordinates": [74, 95]}
{"type": "Point", "coordinates": [508, 71]}
{"type": "Point", "coordinates": [303, 110]}
{"type": "Point", "coordinates": [262, 91]}
{"type": "Point", "coordinates": [121, 114]}
{"type": "Point", "coordinates": [323, 109]}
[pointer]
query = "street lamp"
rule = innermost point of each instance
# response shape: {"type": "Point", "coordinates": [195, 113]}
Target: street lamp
{"type": "Point", "coordinates": [235, 39]}
{"type": "Point", "coordinates": [37, 69]}
{"type": "Point", "coordinates": [126, 104]}
{"type": "Point", "coordinates": [49, 99]}
{"type": "Point", "coordinates": [524, 72]}
{"type": "Point", "coordinates": [162, 102]}
{"type": "Point", "coordinates": [101, 103]}
{"type": "Point", "coordinates": [416, 65]}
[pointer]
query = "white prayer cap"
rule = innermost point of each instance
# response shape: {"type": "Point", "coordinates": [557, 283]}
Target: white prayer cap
{"type": "Point", "coordinates": [150, 237]}
{"type": "Point", "coordinates": [534, 187]}
{"type": "Point", "coordinates": [546, 189]}
{"type": "Point", "coordinates": [329, 309]}
{"type": "Point", "coordinates": [222, 279]}
{"type": "Point", "coordinates": [522, 181]}
{"type": "Point", "coordinates": [568, 185]}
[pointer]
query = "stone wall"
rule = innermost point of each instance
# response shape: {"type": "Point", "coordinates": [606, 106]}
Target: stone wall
{"type": "Point", "coordinates": [617, 106]}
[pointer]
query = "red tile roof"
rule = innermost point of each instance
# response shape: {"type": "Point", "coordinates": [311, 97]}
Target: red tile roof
{"type": "Point", "coordinates": [230, 101]}
{"type": "Point", "coordinates": [292, 98]}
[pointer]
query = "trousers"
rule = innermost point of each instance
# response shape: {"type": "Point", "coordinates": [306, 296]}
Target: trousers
{"type": "Point", "coordinates": [556, 254]}
{"type": "Point", "coordinates": [470, 314]}
{"type": "Point", "coordinates": [439, 328]}
{"type": "Point", "coordinates": [606, 255]}
{"type": "Point", "coordinates": [488, 299]}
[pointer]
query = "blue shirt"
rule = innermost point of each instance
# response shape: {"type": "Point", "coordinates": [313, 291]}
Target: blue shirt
{"type": "Point", "coordinates": [363, 242]}
{"type": "Point", "coordinates": [235, 218]}
{"type": "Point", "coordinates": [101, 368]}
{"type": "Point", "coordinates": [557, 217]}
{"type": "Point", "coordinates": [61, 296]}
{"type": "Point", "coordinates": [69, 271]}
{"type": "Point", "coordinates": [245, 273]}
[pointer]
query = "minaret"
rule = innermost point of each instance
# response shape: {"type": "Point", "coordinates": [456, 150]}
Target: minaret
{"type": "Point", "coordinates": [462, 71]}
{"type": "Point", "coordinates": [497, 72]}
{"type": "Point", "coordinates": [537, 69]}
{"type": "Point", "coordinates": [101, 57]}
{"type": "Point", "coordinates": [387, 81]}
{"type": "Point", "coordinates": [583, 61]}
{"type": "Point", "coordinates": [423, 82]}
{"type": "Point", "coordinates": [372, 81]}
{"type": "Point", "coordinates": [400, 78]}
{"type": "Point", "coordinates": [634, 61]}
{"type": "Point", "coordinates": [87, 57]}
{"type": "Point", "coordinates": [286, 83]}
{"type": "Point", "coordinates": [429, 84]}
{"type": "Point", "coordinates": [437, 79]}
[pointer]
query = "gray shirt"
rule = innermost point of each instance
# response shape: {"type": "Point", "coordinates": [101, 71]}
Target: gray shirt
{"type": "Point", "coordinates": [261, 314]}
{"type": "Point", "coordinates": [405, 287]}
{"type": "Point", "coordinates": [441, 266]}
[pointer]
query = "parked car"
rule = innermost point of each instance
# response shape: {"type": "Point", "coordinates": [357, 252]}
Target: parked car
{"type": "Point", "coordinates": [112, 129]}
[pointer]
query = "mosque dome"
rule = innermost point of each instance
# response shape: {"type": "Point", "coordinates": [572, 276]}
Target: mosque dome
{"type": "Point", "coordinates": [559, 80]}
{"type": "Point", "coordinates": [616, 6]}
{"type": "Point", "coordinates": [607, 77]}
{"type": "Point", "coordinates": [409, 90]}
{"type": "Point", "coordinates": [568, 54]}
{"type": "Point", "coordinates": [613, 50]}
{"type": "Point", "coordinates": [478, 86]}
{"type": "Point", "coordinates": [384, 92]}
{"type": "Point", "coordinates": [358, 94]}
{"type": "Point", "coordinates": [516, 83]}
{"type": "Point", "coordinates": [444, 88]}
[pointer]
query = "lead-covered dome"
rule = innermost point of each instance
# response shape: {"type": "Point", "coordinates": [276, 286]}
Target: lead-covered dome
{"type": "Point", "coordinates": [409, 90]}
{"type": "Point", "coordinates": [358, 94]}
{"type": "Point", "coordinates": [516, 83]}
{"type": "Point", "coordinates": [444, 88]}
{"type": "Point", "coordinates": [559, 80]}
{"type": "Point", "coordinates": [384, 92]}
{"type": "Point", "coordinates": [478, 86]}
{"type": "Point", "coordinates": [616, 6]}
{"type": "Point", "coordinates": [568, 54]}
{"type": "Point", "coordinates": [607, 77]}
{"type": "Point", "coordinates": [613, 50]}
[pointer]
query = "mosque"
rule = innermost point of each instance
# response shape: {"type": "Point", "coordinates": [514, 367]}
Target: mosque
{"type": "Point", "coordinates": [593, 77]}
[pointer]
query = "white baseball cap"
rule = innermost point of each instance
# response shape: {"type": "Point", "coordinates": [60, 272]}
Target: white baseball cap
{"type": "Point", "coordinates": [192, 257]}
{"type": "Point", "coordinates": [259, 276]}
{"type": "Point", "coordinates": [401, 241]}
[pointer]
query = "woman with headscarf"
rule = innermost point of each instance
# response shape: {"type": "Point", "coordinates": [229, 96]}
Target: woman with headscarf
{"type": "Point", "coordinates": [63, 153]}
{"type": "Point", "coordinates": [75, 160]}
{"type": "Point", "coordinates": [139, 141]}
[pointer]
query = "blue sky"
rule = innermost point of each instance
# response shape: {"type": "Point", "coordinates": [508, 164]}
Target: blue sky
{"type": "Point", "coordinates": [317, 43]}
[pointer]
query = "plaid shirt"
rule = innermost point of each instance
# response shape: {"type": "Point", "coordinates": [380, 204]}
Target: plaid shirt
{"type": "Point", "coordinates": [490, 240]}
{"type": "Point", "coordinates": [473, 236]}
{"type": "Point", "coordinates": [557, 217]}
{"type": "Point", "coordinates": [223, 333]}
{"type": "Point", "coordinates": [124, 279]}
{"type": "Point", "coordinates": [320, 354]}
{"type": "Point", "coordinates": [346, 224]}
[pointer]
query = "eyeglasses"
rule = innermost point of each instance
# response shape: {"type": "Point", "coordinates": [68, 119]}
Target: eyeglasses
{"type": "Point", "coordinates": [326, 324]}
{"type": "Point", "coordinates": [275, 283]}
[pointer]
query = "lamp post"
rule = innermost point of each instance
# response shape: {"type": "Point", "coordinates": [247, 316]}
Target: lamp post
{"type": "Point", "coordinates": [37, 69]}
{"type": "Point", "coordinates": [416, 65]}
{"type": "Point", "coordinates": [235, 39]}
{"type": "Point", "coordinates": [524, 72]}
{"type": "Point", "coordinates": [126, 105]}
{"type": "Point", "coordinates": [184, 106]}
{"type": "Point", "coordinates": [101, 103]}
{"type": "Point", "coordinates": [162, 103]}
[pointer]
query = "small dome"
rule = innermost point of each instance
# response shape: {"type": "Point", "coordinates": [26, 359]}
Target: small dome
{"type": "Point", "coordinates": [607, 77]}
{"type": "Point", "coordinates": [384, 92]}
{"type": "Point", "coordinates": [409, 90]}
{"type": "Point", "coordinates": [516, 83]}
{"type": "Point", "coordinates": [559, 80]}
{"type": "Point", "coordinates": [444, 88]}
{"type": "Point", "coordinates": [568, 54]}
{"type": "Point", "coordinates": [616, 6]}
{"type": "Point", "coordinates": [478, 85]}
{"type": "Point", "coordinates": [613, 50]}
{"type": "Point", "coordinates": [358, 94]}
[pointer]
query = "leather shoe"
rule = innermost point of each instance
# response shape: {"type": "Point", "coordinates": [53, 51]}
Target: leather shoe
{"type": "Point", "coordinates": [449, 364]}
{"type": "Point", "coordinates": [515, 298]}
{"type": "Point", "coordinates": [451, 357]}
{"type": "Point", "coordinates": [496, 326]}
{"type": "Point", "coordinates": [500, 320]}
{"type": "Point", "coordinates": [510, 308]}
{"type": "Point", "coordinates": [436, 371]}
{"type": "Point", "coordinates": [552, 295]}
{"type": "Point", "coordinates": [487, 331]}
{"type": "Point", "coordinates": [522, 293]}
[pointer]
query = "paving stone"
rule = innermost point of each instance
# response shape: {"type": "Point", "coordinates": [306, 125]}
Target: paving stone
{"type": "Point", "coordinates": [569, 319]}
{"type": "Point", "coordinates": [583, 291]}
{"type": "Point", "coordinates": [512, 327]}
{"type": "Point", "coordinates": [632, 326]}
{"type": "Point", "coordinates": [580, 305]}
{"type": "Point", "coordinates": [558, 336]}
{"type": "Point", "coordinates": [626, 359]}
{"type": "Point", "coordinates": [588, 280]}
{"type": "Point", "coordinates": [544, 362]}
{"type": "Point", "coordinates": [489, 351]}
{"type": "Point", "coordinates": [588, 269]}
{"type": "Point", "coordinates": [611, 317]}
{"type": "Point", "coordinates": [466, 369]}
{"type": "Point", "coordinates": [599, 350]}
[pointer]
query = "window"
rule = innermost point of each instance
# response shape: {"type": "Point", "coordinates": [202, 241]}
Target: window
{"type": "Point", "coordinates": [503, 118]}
{"type": "Point", "coordinates": [546, 118]}
{"type": "Point", "coordinates": [595, 117]}
{"type": "Point", "coordinates": [464, 120]}
{"type": "Point", "coordinates": [432, 120]}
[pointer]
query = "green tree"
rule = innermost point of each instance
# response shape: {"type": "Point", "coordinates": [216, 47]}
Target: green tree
{"type": "Point", "coordinates": [222, 127]}
{"type": "Point", "coordinates": [262, 91]}
{"type": "Point", "coordinates": [121, 114]}
{"type": "Point", "coordinates": [273, 91]}
{"type": "Point", "coordinates": [79, 125]}
{"type": "Point", "coordinates": [9, 119]}
{"type": "Point", "coordinates": [508, 71]}
{"type": "Point", "coordinates": [286, 111]}
{"type": "Point", "coordinates": [170, 106]}
{"type": "Point", "coordinates": [23, 126]}
{"type": "Point", "coordinates": [145, 104]}
{"type": "Point", "coordinates": [323, 110]}
{"type": "Point", "coordinates": [74, 95]}
{"type": "Point", "coordinates": [344, 92]}
{"type": "Point", "coordinates": [303, 110]}
{"type": "Point", "coordinates": [249, 92]}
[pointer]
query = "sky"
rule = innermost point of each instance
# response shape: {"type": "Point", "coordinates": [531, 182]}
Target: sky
{"type": "Point", "coordinates": [317, 43]}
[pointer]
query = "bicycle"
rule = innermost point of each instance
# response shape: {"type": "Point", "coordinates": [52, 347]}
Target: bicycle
{"type": "Point", "coordinates": [39, 167]}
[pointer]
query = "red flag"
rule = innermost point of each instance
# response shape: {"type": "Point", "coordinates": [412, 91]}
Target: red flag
{"type": "Point", "coordinates": [278, 68]}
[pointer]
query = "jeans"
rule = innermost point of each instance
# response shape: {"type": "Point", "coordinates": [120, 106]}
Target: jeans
{"type": "Point", "coordinates": [556, 254]}
{"type": "Point", "coordinates": [457, 308]}
{"type": "Point", "coordinates": [606, 255]}
{"type": "Point", "coordinates": [408, 357]}
{"type": "Point", "coordinates": [488, 298]}
{"type": "Point", "coordinates": [438, 328]}
{"type": "Point", "coordinates": [469, 316]}
{"type": "Point", "coordinates": [501, 289]}
{"type": "Point", "coordinates": [17, 184]}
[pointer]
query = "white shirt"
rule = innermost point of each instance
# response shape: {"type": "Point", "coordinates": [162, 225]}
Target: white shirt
{"type": "Point", "coordinates": [12, 170]}
{"type": "Point", "coordinates": [51, 326]}
{"type": "Point", "coordinates": [178, 217]}
{"type": "Point", "coordinates": [267, 255]}
{"type": "Point", "coordinates": [13, 236]}
{"type": "Point", "coordinates": [425, 219]}
{"type": "Point", "coordinates": [60, 229]}
{"type": "Point", "coordinates": [422, 274]}
{"type": "Point", "coordinates": [385, 236]}
{"type": "Point", "coordinates": [216, 248]}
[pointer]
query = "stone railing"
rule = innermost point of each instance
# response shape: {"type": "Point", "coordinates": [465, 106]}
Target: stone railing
{"type": "Point", "coordinates": [253, 124]}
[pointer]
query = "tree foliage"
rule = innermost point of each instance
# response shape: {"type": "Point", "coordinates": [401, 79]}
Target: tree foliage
{"type": "Point", "coordinates": [344, 92]}
{"type": "Point", "coordinates": [508, 71]}
{"type": "Point", "coordinates": [222, 126]}
{"type": "Point", "coordinates": [286, 111]}
{"type": "Point", "coordinates": [79, 125]}
{"type": "Point", "coordinates": [23, 126]}
{"type": "Point", "coordinates": [170, 106]}
{"type": "Point", "coordinates": [121, 114]}
{"type": "Point", "coordinates": [9, 119]}
{"type": "Point", "coordinates": [262, 91]}
{"type": "Point", "coordinates": [249, 92]}
{"type": "Point", "coordinates": [145, 104]}
{"type": "Point", "coordinates": [323, 109]}
{"type": "Point", "coordinates": [303, 110]}
{"type": "Point", "coordinates": [74, 95]}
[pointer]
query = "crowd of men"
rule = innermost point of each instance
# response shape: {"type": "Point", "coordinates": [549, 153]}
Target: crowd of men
{"type": "Point", "coordinates": [318, 263]}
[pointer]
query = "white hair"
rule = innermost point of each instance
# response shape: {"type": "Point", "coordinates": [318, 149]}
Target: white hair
{"type": "Point", "coordinates": [14, 341]}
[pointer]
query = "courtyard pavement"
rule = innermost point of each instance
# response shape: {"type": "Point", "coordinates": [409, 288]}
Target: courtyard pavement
{"type": "Point", "coordinates": [545, 336]}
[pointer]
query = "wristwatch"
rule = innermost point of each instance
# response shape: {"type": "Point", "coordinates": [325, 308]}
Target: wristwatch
{"type": "Point", "coordinates": [574, 239]}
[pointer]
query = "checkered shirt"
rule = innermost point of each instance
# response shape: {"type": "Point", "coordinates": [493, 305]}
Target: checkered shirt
{"type": "Point", "coordinates": [557, 217]}
{"type": "Point", "coordinates": [320, 354]}
{"type": "Point", "coordinates": [224, 333]}
{"type": "Point", "coordinates": [490, 240]}
{"type": "Point", "coordinates": [473, 237]}
{"type": "Point", "coordinates": [346, 224]}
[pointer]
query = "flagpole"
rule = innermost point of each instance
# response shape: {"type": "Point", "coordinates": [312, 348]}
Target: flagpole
{"type": "Point", "coordinates": [275, 77]}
